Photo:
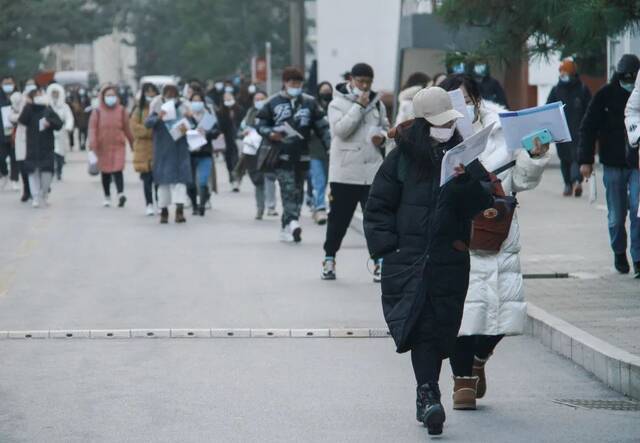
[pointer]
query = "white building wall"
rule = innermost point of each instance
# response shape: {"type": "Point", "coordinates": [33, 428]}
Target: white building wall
{"type": "Point", "coordinates": [355, 31]}
{"type": "Point", "coordinates": [114, 61]}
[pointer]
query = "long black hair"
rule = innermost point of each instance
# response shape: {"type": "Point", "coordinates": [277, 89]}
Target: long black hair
{"type": "Point", "coordinates": [454, 81]}
{"type": "Point", "coordinates": [142, 103]}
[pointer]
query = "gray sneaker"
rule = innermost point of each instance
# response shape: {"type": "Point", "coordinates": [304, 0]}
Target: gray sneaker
{"type": "Point", "coordinates": [329, 269]}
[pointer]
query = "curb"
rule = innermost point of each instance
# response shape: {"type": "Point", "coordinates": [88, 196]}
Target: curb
{"type": "Point", "coordinates": [615, 367]}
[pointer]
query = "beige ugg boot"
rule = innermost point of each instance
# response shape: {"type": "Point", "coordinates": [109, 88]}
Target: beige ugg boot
{"type": "Point", "coordinates": [478, 371]}
{"type": "Point", "coordinates": [464, 393]}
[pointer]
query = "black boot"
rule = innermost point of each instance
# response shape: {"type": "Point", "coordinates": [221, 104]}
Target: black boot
{"type": "Point", "coordinates": [205, 195]}
{"type": "Point", "coordinates": [621, 263]}
{"type": "Point", "coordinates": [429, 409]}
{"type": "Point", "coordinates": [164, 216]}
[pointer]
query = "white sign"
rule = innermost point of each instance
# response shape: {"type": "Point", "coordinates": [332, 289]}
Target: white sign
{"type": "Point", "coordinates": [519, 124]}
{"type": "Point", "coordinates": [464, 153]}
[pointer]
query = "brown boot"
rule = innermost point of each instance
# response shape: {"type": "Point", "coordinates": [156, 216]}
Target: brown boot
{"type": "Point", "coordinates": [180, 214]}
{"type": "Point", "coordinates": [478, 371]}
{"type": "Point", "coordinates": [464, 393]}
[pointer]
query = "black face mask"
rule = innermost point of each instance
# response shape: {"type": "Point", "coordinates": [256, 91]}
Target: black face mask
{"type": "Point", "coordinates": [326, 97]}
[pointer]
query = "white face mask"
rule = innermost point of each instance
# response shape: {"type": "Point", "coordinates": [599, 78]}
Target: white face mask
{"type": "Point", "coordinates": [229, 103]}
{"type": "Point", "coordinates": [29, 88]}
{"type": "Point", "coordinates": [219, 86]}
{"type": "Point", "coordinates": [442, 134]}
{"type": "Point", "coordinates": [357, 92]}
{"type": "Point", "coordinates": [259, 104]}
{"type": "Point", "coordinates": [252, 89]}
{"type": "Point", "coordinates": [229, 89]}
{"type": "Point", "coordinates": [8, 88]}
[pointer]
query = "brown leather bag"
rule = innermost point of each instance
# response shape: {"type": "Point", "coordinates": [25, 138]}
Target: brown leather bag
{"type": "Point", "coordinates": [491, 227]}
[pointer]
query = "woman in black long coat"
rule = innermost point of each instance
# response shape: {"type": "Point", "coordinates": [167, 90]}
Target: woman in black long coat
{"type": "Point", "coordinates": [40, 120]}
{"type": "Point", "coordinates": [422, 232]}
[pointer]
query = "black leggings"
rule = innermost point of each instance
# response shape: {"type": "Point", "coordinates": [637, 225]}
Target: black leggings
{"type": "Point", "coordinates": [468, 346]}
{"type": "Point", "coordinates": [147, 184]}
{"type": "Point", "coordinates": [427, 363]}
{"type": "Point", "coordinates": [106, 182]}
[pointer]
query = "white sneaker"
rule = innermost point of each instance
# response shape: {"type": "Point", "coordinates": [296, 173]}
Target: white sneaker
{"type": "Point", "coordinates": [35, 203]}
{"type": "Point", "coordinates": [106, 202]}
{"type": "Point", "coordinates": [295, 230]}
{"type": "Point", "coordinates": [150, 211]}
{"type": "Point", "coordinates": [285, 236]}
{"type": "Point", "coordinates": [15, 186]}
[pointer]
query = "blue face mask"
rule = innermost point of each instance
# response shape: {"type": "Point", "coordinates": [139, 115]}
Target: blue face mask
{"type": "Point", "coordinates": [110, 100]}
{"type": "Point", "coordinates": [480, 70]}
{"type": "Point", "coordinates": [627, 86]}
{"type": "Point", "coordinates": [8, 88]}
{"type": "Point", "coordinates": [565, 78]}
{"type": "Point", "coordinates": [294, 92]}
{"type": "Point", "coordinates": [259, 104]}
{"type": "Point", "coordinates": [458, 69]}
{"type": "Point", "coordinates": [197, 106]}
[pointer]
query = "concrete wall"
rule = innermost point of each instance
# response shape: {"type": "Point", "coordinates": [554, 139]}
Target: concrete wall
{"type": "Point", "coordinates": [358, 31]}
{"type": "Point", "coordinates": [114, 61]}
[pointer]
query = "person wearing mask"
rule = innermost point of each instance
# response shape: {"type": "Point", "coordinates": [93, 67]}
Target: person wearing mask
{"type": "Point", "coordinates": [6, 134]}
{"type": "Point", "coordinates": [229, 119]}
{"type": "Point", "coordinates": [40, 121]}
{"type": "Point", "coordinates": [286, 122]}
{"type": "Point", "coordinates": [18, 102]}
{"type": "Point", "coordinates": [416, 82]}
{"type": "Point", "coordinates": [216, 93]}
{"type": "Point", "coordinates": [56, 97]}
{"type": "Point", "coordinates": [422, 231]}
{"type": "Point", "coordinates": [109, 132]}
{"type": "Point", "coordinates": [576, 97]}
{"type": "Point", "coordinates": [319, 164]}
{"type": "Point", "coordinates": [359, 124]}
{"type": "Point", "coordinates": [201, 156]}
{"type": "Point", "coordinates": [171, 159]}
{"type": "Point", "coordinates": [604, 125]}
{"type": "Point", "coordinates": [264, 182]}
{"type": "Point", "coordinates": [495, 304]}
{"type": "Point", "coordinates": [143, 143]}
{"type": "Point", "coordinates": [490, 88]}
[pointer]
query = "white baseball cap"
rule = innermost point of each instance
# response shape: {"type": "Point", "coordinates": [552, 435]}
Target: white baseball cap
{"type": "Point", "coordinates": [434, 105]}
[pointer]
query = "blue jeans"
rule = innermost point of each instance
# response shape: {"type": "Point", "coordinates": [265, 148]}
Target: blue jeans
{"type": "Point", "coordinates": [622, 191]}
{"type": "Point", "coordinates": [318, 172]}
{"type": "Point", "coordinates": [202, 170]}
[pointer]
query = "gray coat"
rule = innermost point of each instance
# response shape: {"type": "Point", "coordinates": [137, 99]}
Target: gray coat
{"type": "Point", "coordinates": [171, 159]}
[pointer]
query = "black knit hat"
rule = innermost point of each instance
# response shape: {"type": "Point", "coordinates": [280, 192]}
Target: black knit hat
{"type": "Point", "coordinates": [628, 64]}
{"type": "Point", "coordinates": [362, 70]}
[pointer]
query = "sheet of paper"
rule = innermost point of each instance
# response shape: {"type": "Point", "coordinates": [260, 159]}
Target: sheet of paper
{"type": "Point", "coordinates": [516, 125]}
{"type": "Point", "coordinates": [593, 188]}
{"type": "Point", "coordinates": [42, 124]}
{"type": "Point", "coordinates": [288, 131]}
{"type": "Point", "coordinates": [176, 132]}
{"type": "Point", "coordinates": [464, 153]}
{"type": "Point", "coordinates": [464, 125]}
{"type": "Point", "coordinates": [6, 120]}
{"type": "Point", "coordinates": [251, 142]}
{"type": "Point", "coordinates": [169, 107]}
{"type": "Point", "coordinates": [207, 122]}
{"type": "Point", "coordinates": [195, 140]}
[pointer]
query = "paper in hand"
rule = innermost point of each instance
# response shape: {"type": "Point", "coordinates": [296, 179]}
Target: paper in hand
{"type": "Point", "coordinates": [517, 125]}
{"type": "Point", "coordinates": [465, 124]}
{"type": "Point", "coordinates": [195, 140]}
{"type": "Point", "coordinates": [42, 124]}
{"type": "Point", "coordinates": [169, 107]}
{"type": "Point", "coordinates": [207, 122]}
{"type": "Point", "coordinates": [176, 131]}
{"type": "Point", "coordinates": [464, 153]}
{"type": "Point", "coordinates": [6, 121]}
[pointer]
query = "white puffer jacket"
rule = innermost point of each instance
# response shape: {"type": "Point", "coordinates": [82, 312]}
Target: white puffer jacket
{"type": "Point", "coordinates": [61, 138]}
{"type": "Point", "coordinates": [495, 299]}
{"type": "Point", "coordinates": [353, 158]}
{"type": "Point", "coordinates": [632, 114]}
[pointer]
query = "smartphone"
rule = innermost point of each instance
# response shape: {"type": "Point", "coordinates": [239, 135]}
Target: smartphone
{"type": "Point", "coordinates": [543, 135]}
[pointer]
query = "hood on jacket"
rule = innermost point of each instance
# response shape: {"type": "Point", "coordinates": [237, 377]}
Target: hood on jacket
{"type": "Point", "coordinates": [409, 93]}
{"type": "Point", "coordinates": [341, 90]}
{"type": "Point", "coordinates": [61, 100]}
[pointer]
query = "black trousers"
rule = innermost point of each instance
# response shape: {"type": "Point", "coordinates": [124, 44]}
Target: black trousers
{"type": "Point", "coordinates": [231, 160]}
{"type": "Point", "coordinates": [570, 172]}
{"type": "Point", "coordinates": [147, 186]}
{"type": "Point", "coordinates": [26, 190]}
{"type": "Point", "coordinates": [343, 200]}
{"type": "Point", "coordinates": [427, 362]}
{"type": "Point", "coordinates": [6, 150]}
{"type": "Point", "coordinates": [106, 182]}
{"type": "Point", "coordinates": [59, 164]}
{"type": "Point", "coordinates": [468, 346]}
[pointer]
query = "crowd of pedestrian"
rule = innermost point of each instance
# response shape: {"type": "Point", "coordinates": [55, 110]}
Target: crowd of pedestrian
{"type": "Point", "coordinates": [449, 290]}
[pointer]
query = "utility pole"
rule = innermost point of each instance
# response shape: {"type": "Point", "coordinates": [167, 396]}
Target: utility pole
{"type": "Point", "coordinates": [296, 32]}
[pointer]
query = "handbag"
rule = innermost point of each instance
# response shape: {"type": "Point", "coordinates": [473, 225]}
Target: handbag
{"type": "Point", "coordinates": [268, 156]}
{"type": "Point", "coordinates": [491, 227]}
{"type": "Point", "coordinates": [219, 144]}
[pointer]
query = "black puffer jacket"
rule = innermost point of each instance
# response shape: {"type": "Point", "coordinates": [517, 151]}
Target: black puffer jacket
{"type": "Point", "coordinates": [422, 232]}
{"type": "Point", "coordinates": [604, 122]}
{"type": "Point", "coordinates": [40, 144]}
{"type": "Point", "coordinates": [576, 97]}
